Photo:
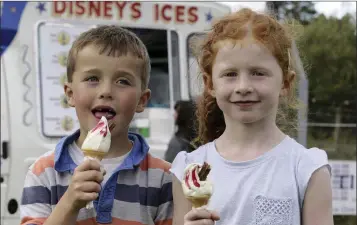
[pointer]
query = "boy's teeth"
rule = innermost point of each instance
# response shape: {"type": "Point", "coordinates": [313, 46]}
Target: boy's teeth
{"type": "Point", "coordinates": [99, 114]}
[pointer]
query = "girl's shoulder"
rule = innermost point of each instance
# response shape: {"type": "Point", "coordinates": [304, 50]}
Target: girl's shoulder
{"type": "Point", "coordinates": [306, 161]}
{"type": "Point", "coordinates": [306, 156]}
{"type": "Point", "coordinates": [184, 158]}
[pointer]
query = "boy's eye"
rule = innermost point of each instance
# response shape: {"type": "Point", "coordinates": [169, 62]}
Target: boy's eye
{"type": "Point", "coordinates": [92, 79]}
{"type": "Point", "coordinates": [123, 81]}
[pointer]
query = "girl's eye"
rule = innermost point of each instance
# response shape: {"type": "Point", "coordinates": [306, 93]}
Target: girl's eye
{"type": "Point", "coordinates": [257, 73]}
{"type": "Point", "coordinates": [92, 79]}
{"type": "Point", "coordinates": [231, 74]}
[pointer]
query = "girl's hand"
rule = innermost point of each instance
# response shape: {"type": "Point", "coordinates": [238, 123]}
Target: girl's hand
{"type": "Point", "coordinates": [201, 216]}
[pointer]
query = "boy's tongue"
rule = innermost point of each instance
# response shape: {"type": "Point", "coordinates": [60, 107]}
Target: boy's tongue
{"type": "Point", "coordinates": [107, 115]}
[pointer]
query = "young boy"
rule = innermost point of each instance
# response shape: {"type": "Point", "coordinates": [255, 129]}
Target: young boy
{"type": "Point", "coordinates": [108, 73]}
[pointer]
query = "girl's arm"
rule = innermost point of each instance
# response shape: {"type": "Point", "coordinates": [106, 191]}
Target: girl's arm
{"type": "Point", "coordinates": [317, 207]}
{"type": "Point", "coordinates": [181, 205]}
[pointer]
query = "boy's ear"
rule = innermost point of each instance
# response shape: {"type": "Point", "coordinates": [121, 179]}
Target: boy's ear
{"type": "Point", "coordinates": [69, 93]}
{"type": "Point", "coordinates": [144, 98]}
{"type": "Point", "coordinates": [287, 83]}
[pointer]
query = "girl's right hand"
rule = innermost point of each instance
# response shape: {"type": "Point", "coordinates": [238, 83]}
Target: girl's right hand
{"type": "Point", "coordinates": [85, 184]}
{"type": "Point", "coordinates": [201, 216]}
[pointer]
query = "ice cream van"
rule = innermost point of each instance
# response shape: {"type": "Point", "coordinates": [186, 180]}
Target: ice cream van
{"type": "Point", "coordinates": [35, 40]}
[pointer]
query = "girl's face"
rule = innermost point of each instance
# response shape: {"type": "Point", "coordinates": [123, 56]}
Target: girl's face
{"type": "Point", "coordinates": [247, 81]}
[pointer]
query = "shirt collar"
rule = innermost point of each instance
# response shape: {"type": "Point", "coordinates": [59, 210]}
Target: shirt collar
{"type": "Point", "coordinates": [65, 163]}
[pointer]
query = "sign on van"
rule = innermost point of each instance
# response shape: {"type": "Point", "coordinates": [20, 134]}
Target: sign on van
{"type": "Point", "coordinates": [159, 12]}
{"type": "Point", "coordinates": [343, 187]}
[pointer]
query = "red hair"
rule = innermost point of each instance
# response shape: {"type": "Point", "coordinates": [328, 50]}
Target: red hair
{"type": "Point", "coordinates": [264, 29]}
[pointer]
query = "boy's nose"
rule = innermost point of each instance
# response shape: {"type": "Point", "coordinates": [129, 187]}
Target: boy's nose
{"type": "Point", "coordinates": [106, 91]}
{"type": "Point", "coordinates": [105, 95]}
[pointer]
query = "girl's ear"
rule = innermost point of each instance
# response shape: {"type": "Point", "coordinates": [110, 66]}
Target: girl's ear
{"type": "Point", "coordinates": [207, 80]}
{"type": "Point", "coordinates": [212, 93]}
{"type": "Point", "coordinates": [287, 83]}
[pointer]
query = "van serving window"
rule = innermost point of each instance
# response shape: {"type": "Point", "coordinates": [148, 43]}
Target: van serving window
{"type": "Point", "coordinates": [157, 43]}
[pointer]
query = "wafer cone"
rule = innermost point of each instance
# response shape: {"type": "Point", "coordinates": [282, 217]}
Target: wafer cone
{"type": "Point", "coordinates": [199, 202]}
{"type": "Point", "coordinates": [91, 154]}
{"type": "Point", "coordinates": [94, 154]}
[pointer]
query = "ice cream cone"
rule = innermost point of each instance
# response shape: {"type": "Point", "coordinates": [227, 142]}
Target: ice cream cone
{"type": "Point", "coordinates": [199, 202]}
{"type": "Point", "coordinates": [197, 189]}
{"type": "Point", "coordinates": [97, 143]}
{"type": "Point", "coordinates": [94, 154]}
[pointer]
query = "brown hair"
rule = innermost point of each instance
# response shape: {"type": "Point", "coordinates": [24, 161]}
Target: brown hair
{"type": "Point", "coordinates": [117, 41]}
{"type": "Point", "coordinates": [266, 30]}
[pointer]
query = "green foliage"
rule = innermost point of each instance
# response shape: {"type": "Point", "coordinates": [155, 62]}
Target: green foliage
{"type": "Point", "coordinates": [329, 47]}
{"type": "Point", "coordinates": [328, 50]}
{"type": "Point", "coordinates": [303, 12]}
{"type": "Point", "coordinates": [345, 220]}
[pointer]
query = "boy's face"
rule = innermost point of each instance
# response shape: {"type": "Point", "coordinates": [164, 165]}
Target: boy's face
{"type": "Point", "coordinates": [106, 86]}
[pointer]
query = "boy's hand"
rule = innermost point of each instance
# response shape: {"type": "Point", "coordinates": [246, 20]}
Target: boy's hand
{"type": "Point", "coordinates": [200, 216]}
{"type": "Point", "coordinates": [85, 184]}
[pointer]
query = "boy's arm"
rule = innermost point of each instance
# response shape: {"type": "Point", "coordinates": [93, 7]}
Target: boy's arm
{"type": "Point", "coordinates": [317, 206]}
{"type": "Point", "coordinates": [63, 213]}
{"type": "Point", "coordinates": [36, 204]}
{"type": "Point", "coordinates": [36, 200]}
{"type": "Point", "coordinates": [181, 205]}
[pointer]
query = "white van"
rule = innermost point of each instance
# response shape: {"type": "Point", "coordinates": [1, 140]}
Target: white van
{"type": "Point", "coordinates": [38, 35]}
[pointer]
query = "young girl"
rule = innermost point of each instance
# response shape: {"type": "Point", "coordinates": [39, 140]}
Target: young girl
{"type": "Point", "coordinates": [260, 175]}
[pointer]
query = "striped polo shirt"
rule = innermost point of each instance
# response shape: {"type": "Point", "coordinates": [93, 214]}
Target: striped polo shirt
{"type": "Point", "coordinates": [138, 192]}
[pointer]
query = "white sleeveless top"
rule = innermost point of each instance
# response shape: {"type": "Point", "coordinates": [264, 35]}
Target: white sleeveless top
{"type": "Point", "coordinates": [268, 190]}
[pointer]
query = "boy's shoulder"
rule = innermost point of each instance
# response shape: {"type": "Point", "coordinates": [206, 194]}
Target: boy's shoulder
{"type": "Point", "coordinates": [152, 162]}
{"type": "Point", "coordinates": [45, 161]}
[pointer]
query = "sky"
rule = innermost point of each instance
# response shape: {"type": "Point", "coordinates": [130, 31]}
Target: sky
{"type": "Point", "coordinates": [337, 9]}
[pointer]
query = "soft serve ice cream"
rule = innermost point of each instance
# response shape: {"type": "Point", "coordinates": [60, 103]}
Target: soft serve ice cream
{"type": "Point", "coordinates": [195, 185]}
{"type": "Point", "coordinates": [97, 143]}
{"type": "Point", "coordinates": [98, 140]}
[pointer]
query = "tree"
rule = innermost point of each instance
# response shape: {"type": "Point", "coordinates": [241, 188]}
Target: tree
{"type": "Point", "coordinates": [303, 12]}
{"type": "Point", "coordinates": [329, 48]}
{"type": "Point", "coordinates": [277, 8]}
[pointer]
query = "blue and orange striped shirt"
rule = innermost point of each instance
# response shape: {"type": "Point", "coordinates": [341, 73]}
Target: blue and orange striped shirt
{"type": "Point", "coordinates": [139, 192]}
